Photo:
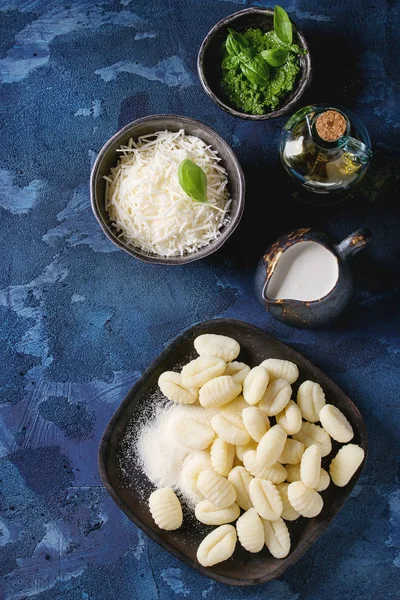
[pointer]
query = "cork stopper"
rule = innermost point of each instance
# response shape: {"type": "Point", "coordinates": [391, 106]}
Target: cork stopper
{"type": "Point", "coordinates": [331, 125]}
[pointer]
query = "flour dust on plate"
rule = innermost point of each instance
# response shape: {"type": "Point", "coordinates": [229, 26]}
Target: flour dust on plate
{"type": "Point", "coordinates": [306, 271]}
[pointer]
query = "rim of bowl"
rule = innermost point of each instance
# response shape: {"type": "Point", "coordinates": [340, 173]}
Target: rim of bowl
{"type": "Point", "coordinates": [292, 100]}
{"type": "Point", "coordinates": [204, 251]}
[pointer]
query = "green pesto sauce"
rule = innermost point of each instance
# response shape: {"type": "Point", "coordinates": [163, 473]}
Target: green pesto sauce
{"type": "Point", "coordinates": [252, 99]}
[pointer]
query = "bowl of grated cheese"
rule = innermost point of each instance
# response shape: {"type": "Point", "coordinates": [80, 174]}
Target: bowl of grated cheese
{"type": "Point", "coordinates": [139, 203]}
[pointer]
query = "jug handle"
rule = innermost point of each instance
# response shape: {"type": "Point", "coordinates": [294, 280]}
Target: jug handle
{"type": "Point", "coordinates": [353, 243]}
{"type": "Point", "coordinates": [358, 149]}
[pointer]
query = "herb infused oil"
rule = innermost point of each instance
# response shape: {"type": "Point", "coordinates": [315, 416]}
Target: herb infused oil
{"type": "Point", "coordinates": [327, 151]}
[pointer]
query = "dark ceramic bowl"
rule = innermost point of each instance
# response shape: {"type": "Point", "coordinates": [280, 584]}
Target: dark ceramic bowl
{"type": "Point", "coordinates": [108, 158]}
{"type": "Point", "coordinates": [209, 63]}
{"type": "Point", "coordinates": [123, 476]}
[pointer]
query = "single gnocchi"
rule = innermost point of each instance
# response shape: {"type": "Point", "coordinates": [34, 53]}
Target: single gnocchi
{"type": "Point", "coordinates": [276, 397]}
{"type": "Point", "coordinates": [290, 418]}
{"type": "Point", "coordinates": [217, 546]}
{"type": "Point", "coordinates": [271, 446]}
{"type": "Point", "coordinates": [217, 345]}
{"type": "Point", "coordinates": [310, 399]}
{"type": "Point", "coordinates": [277, 538]}
{"type": "Point", "coordinates": [306, 501]}
{"type": "Point", "coordinates": [170, 383]}
{"type": "Point", "coordinates": [281, 369]}
{"type": "Point", "coordinates": [222, 455]}
{"type": "Point", "coordinates": [310, 434]}
{"type": "Point", "coordinates": [237, 370]}
{"type": "Point", "coordinates": [209, 514]}
{"type": "Point", "coordinates": [310, 466]}
{"type": "Point", "coordinates": [250, 531]}
{"type": "Point", "coordinates": [234, 407]}
{"type": "Point", "coordinates": [256, 422]}
{"type": "Point", "coordinates": [255, 384]}
{"type": "Point", "coordinates": [230, 428]}
{"type": "Point", "coordinates": [216, 489]}
{"type": "Point", "coordinates": [166, 509]}
{"type": "Point", "coordinates": [219, 391]}
{"type": "Point", "coordinates": [276, 473]}
{"type": "Point", "coordinates": [345, 464]}
{"type": "Point", "coordinates": [201, 370]}
{"type": "Point", "coordinates": [193, 465]}
{"type": "Point", "coordinates": [293, 474]}
{"type": "Point", "coordinates": [192, 434]}
{"type": "Point", "coordinates": [336, 424]}
{"type": "Point", "coordinates": [240, 450]}
{"type": "Point", "coordinates": [265, 499]}
{"type": "Point", "coordinates": [292, 452]}
{"type": "Point", "coordinates": [240, 479]}
{"type": "Point", "coordinates": [288, 512]}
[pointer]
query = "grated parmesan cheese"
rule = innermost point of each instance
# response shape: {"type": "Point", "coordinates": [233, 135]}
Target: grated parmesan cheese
{"type": "Point", "coordinates": [148, 207]}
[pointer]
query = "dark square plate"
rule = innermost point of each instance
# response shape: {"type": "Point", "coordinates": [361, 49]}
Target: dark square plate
{"type": "Point", "coordinates": [242, 568]}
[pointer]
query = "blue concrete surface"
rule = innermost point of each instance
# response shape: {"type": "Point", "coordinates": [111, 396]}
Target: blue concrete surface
{"type": "Point", "coordinates": [81, 320]}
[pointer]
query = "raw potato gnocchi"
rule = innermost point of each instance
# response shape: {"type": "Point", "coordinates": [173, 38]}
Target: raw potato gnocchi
{"type": "Point", "coordinates": [310, 399]}
{"type": "Point", "coordinates": [166, 509]}
{"type": "Point", "coordinates": [277, 538]}
{"type": "Point", "coordinates": [276, 473]}
{"type": "Point", "coordinates": [310, 434]}
{"type": "Point", "coordinates": [256, 422]}
{"type": "Point", "coordinates": [290, 418]}
{"type": "Point", "coordinates": [222, 455]}
{"type": "Point", "coordinates": [240, 461]}
{"type": "Point", "coordinates": [255, 385]}
{"type": "Point", "coordinates": [281, 369]}
{"type": "Point", "coordinates": [201, 370]}
{"type": "Point", "coordinates": [306, 501]}
{"type": "Point", "coordinates": [271, 446]}
{"type": "Point", "coordinates": [193, 465]}
{"type": "Point", "coordinates": [335, 423]}
{"type": "Point", "coordinates": [240, 450]}
{"type": "Point", "coordinates": [217, 345]}
{"type": "Point", "coordinates": [231, 429]}
{"type": "Point", "coordinates": [237, 370]}
{"type": "Point", "coordinates": [240, 478]}
{"type": "Point", "coordinates": [310, 466]}
{"type": "Point", "coordinates": [209, 514]}
{"type": "Point", "coordinates": [265, 499]}
{"type": "Point", "coordinates": [293, 474]}
{"type": "Point", "coordinates": [217, 546]}
{"type": "Point", "coordinates": [276, 397]}
{"type": "Point", "coordinates": [250, 531]}
{"type": "Point", "coordinates": [292, 452]}
{"type": "Point", "coordinates": [170, 383]}
{"type": "Point", "coordinates": [288, 512]}
{"type": "Point", "coordinates": [192, 434]}
{"type": "Point", "coordinates": [345, 464]}
{"type": "Point", "coordinates": [216, 489]}
{"type": "Point", "coordinates": [219, 391]}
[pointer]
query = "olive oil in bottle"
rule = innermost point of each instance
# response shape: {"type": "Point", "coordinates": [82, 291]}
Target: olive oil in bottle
{"type": "Point", "coordinates": [327, 151]}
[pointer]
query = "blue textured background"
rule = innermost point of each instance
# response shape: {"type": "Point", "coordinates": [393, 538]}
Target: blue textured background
{"type": "Point", "coordinates": [80, 320]}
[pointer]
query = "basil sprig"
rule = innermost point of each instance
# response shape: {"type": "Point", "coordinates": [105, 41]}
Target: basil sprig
{"type": "Point", "coordinates": [255, 68]}
{"type": "Point", "coordinates": [193, 180]}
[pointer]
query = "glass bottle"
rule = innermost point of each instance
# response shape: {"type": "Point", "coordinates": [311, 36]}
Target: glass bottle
{"type": "Point", "coordinates": [327, 151]}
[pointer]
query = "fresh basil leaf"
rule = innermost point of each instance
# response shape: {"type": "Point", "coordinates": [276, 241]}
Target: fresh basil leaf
{"type": "Point", "coordinates": [193, 180]}
{"type": "Point", "coordinates": [275, 57]}
{"type": "Point", "coordinates": [256, 70]}
{"type": "Point", "coordinates": [230, 62]}
{"type": "Point", "coordinates": [236, 42]}
{"type": "Point", "coordinates": [282, 25]}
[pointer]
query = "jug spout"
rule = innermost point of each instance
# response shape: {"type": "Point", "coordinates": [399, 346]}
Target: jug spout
{"type": "Point", "coordinates": [353, 243]}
